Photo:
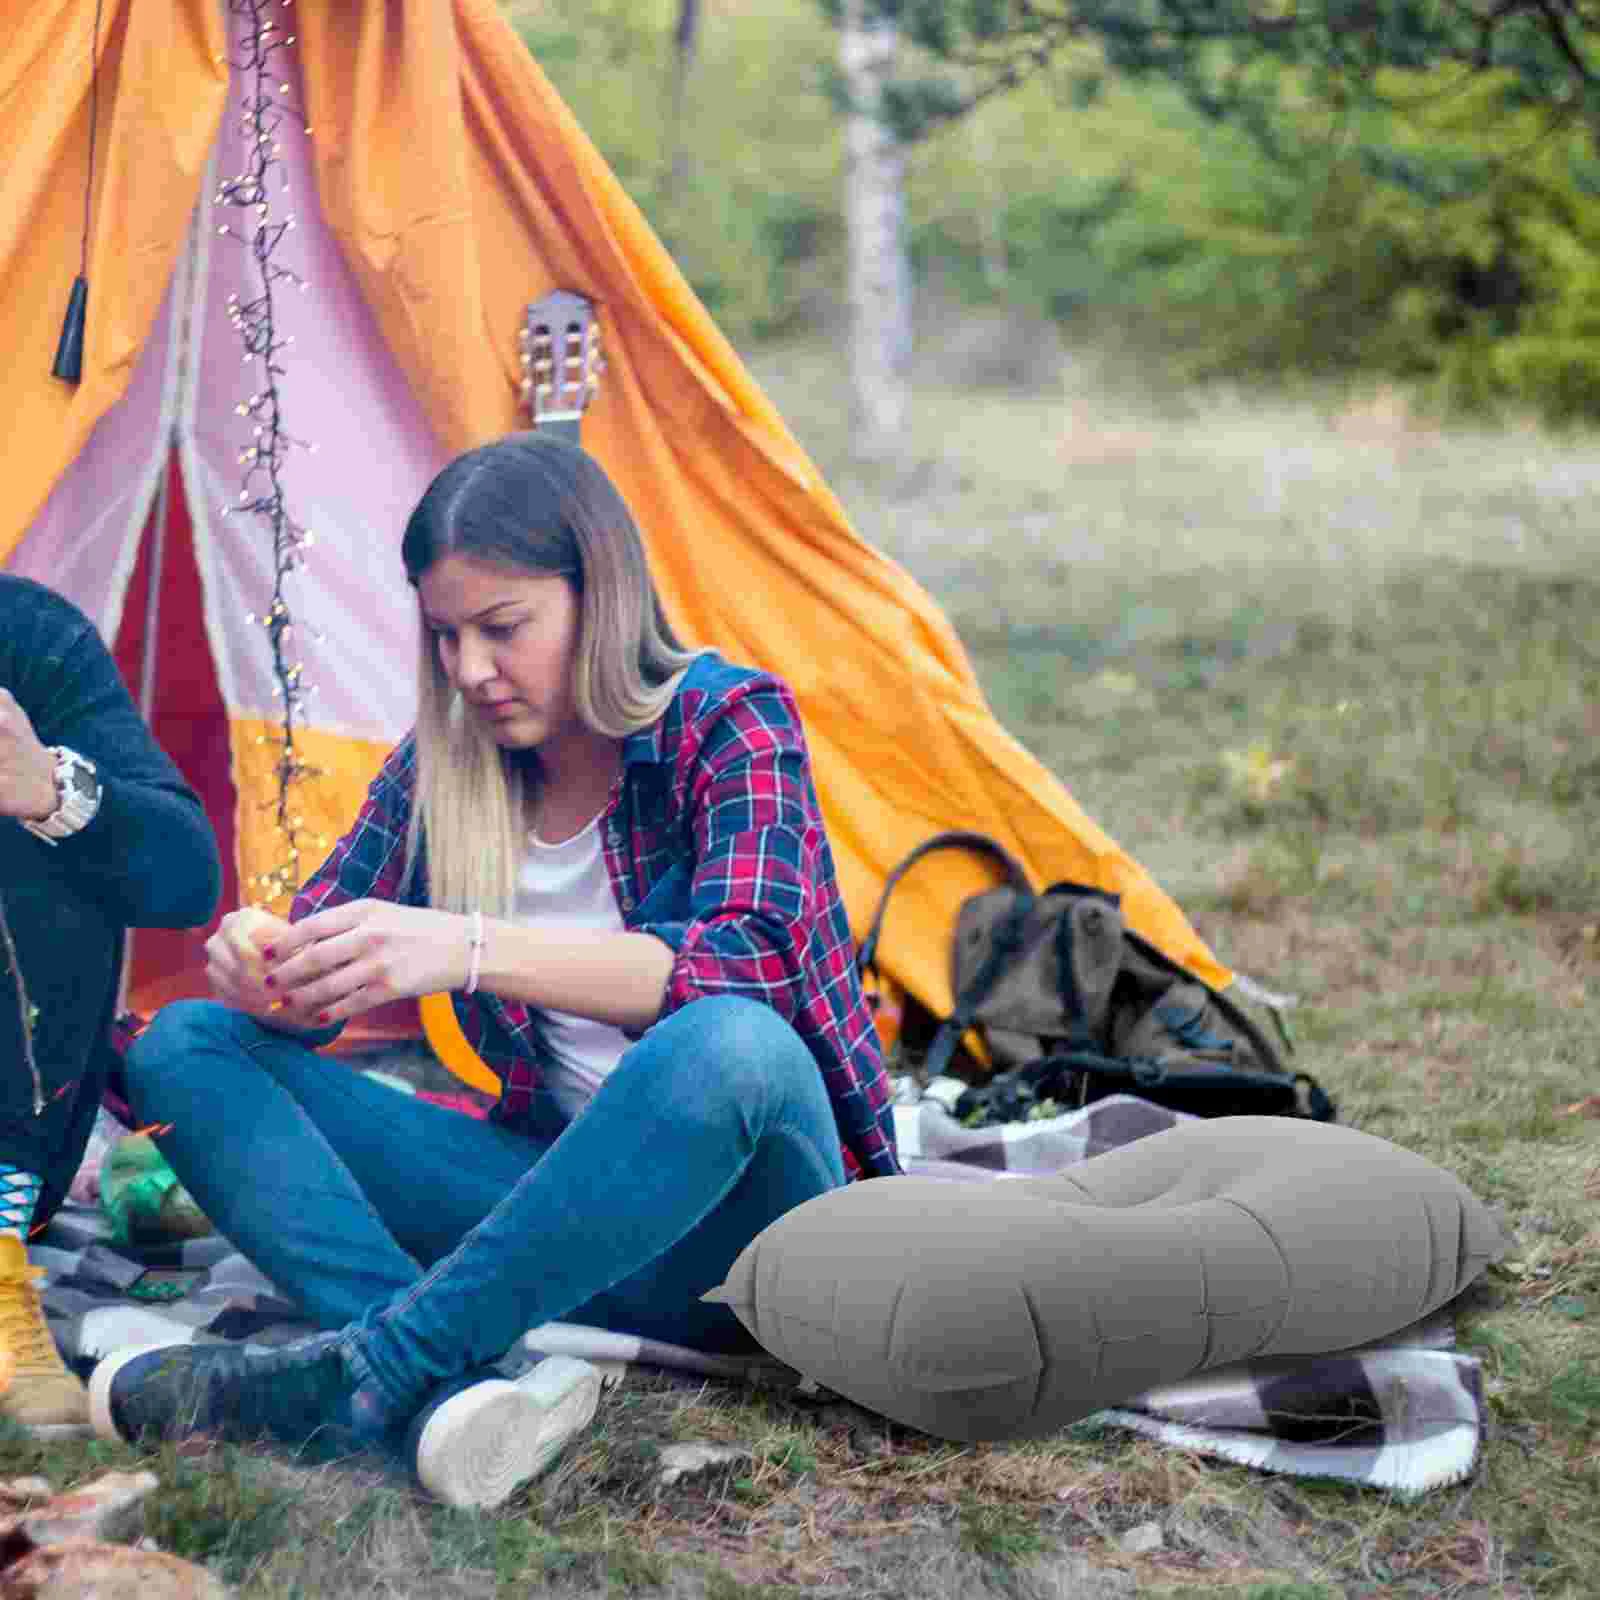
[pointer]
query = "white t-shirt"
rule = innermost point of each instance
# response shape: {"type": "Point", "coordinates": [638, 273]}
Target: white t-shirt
{"type": "Point", "coordinates": [566, 885]}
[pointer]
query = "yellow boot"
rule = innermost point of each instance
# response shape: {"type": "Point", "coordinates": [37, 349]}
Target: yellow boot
{"type": "Point", "coordinates": [40, 1393]}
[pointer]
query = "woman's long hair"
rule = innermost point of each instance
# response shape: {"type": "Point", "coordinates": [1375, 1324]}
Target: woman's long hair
{"type": "Point", "coordinates": [531, 504]}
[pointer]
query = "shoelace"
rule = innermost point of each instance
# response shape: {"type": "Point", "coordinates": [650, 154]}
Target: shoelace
{"type": "Point", "coordinates": [22, 1326]}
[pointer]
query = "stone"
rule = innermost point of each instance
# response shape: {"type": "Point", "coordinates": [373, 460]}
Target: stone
{"type": "Point", "coordinates": [678, 1461]}
{"type": "Point", "coordinates": [1142, 1540]}
{"type": "Point", "coordinates": [85, 1569]}
{"type": "Point", "coordinates": [105, 1509]}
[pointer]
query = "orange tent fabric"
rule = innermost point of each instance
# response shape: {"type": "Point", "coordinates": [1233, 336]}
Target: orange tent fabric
{"type": "Point", "coordinates": [459, 188]}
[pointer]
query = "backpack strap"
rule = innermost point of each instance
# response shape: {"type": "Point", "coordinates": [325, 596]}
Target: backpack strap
{"type": "Point", "coordinates": [955, 839]}
{"type": "Point", "coordinates": [1007, 942]}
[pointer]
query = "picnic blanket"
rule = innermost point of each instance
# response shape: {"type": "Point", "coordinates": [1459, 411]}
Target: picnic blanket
{"type": "Point", "coordinates": [1404, 1415]}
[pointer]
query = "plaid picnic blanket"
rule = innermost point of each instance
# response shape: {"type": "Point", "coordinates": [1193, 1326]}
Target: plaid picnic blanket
{"type": "Point", "coordinates": [1404, 1415]}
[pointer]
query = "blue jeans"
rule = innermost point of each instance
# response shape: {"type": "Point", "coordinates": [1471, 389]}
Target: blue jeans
{"type": "Point", "coordinates": [435, 1241]}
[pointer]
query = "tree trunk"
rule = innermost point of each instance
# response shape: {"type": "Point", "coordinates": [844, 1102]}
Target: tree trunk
{"type": "Point", "coordinates": [685, 41]}
{"type": "Point", "coordinates": [880, 275]}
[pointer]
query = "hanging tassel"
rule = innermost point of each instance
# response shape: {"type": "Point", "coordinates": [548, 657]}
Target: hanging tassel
{"type": "Point", "coordinates": [68, 364]}
{"type": "Point", "coordinates": [69, 353]}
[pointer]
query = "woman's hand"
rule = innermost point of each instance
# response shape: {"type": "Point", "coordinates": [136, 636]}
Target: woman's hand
{"type": "Point", "coordinates": [235, 964]}
{"type": "Point", "coordinates": [337, 964]}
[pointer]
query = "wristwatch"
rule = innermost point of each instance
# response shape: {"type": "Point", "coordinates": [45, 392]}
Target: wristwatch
{"type": "Point", "coordinates": [77, 797]}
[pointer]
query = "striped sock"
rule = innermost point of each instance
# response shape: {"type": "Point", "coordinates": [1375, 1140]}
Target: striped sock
{"type": "Point", "coordinates": [19, 1194]}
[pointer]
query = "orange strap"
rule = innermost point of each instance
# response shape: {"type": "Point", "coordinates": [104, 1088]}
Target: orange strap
{"type": "Point", "coordinates": [450, 1045]}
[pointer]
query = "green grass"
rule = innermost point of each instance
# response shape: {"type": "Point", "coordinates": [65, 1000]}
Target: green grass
{"type": "Point", "coordinates": [1336, 683]}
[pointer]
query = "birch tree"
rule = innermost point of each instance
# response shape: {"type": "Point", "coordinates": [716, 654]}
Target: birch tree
{"type": "Point", "coordinates": [879, 271]}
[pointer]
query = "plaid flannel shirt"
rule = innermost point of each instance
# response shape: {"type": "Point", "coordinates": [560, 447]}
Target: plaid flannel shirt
{"type": "Point", "coordinates": [715, 845]}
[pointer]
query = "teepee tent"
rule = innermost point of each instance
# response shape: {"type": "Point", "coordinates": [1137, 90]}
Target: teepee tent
{"type": "Point", "coordinates": [437, 185]}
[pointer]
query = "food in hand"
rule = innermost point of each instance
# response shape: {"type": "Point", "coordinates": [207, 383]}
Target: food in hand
{"type": "Point", "coordinates": [251, 930]}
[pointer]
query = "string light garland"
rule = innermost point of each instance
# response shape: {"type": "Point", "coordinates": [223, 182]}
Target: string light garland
{"type": "Point", "coordinates": [266, 110]}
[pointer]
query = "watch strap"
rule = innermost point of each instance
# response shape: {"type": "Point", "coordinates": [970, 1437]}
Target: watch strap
{"type": "Point", "coordinates": [74, 810]}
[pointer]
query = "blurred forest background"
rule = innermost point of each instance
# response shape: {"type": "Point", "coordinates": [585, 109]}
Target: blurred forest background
{"type": "Point", "coordinates": [1365, 191]}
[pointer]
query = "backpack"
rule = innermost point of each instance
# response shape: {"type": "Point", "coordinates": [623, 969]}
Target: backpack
{"type": "Point", "coordinates": [1071, 1005]}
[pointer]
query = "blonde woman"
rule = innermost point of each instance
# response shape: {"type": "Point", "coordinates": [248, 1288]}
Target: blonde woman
{"type": "Point", "coordinates": [610, 849]}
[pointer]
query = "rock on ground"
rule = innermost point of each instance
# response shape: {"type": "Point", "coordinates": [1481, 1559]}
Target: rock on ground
{"type": "Point", "coordinates": [84, 1569]}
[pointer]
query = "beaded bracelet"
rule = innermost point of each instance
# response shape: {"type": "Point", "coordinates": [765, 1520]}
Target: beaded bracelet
{"type": "Point", "coordinates": [475, 938]}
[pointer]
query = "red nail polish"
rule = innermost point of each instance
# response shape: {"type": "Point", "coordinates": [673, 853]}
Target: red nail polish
{"type": "Point", "coordinates": [322, 1016]}
{"type": "Point", "coordinates": [270, 953]}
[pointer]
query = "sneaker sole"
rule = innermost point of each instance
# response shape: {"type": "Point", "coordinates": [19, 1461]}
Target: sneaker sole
{"type": "Point", "coordinates": [106, 1369]}
{"type": "Point", "coordinates": [484, 1443]}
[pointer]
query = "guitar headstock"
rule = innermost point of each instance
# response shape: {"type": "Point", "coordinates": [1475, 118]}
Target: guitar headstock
{"type": "Point", "coordinates": [561, 361]}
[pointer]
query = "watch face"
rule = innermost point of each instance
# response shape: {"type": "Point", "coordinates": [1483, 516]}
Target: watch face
{"type": "Point", "coordinates": [82, 781]}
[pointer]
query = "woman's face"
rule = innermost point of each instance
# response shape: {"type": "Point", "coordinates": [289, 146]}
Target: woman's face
{"type": "Point", "coordinates": [507, 640]}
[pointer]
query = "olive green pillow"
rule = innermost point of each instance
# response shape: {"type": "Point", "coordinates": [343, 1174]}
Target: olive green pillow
{"type": "Point", "coordinates": [991, 1311]}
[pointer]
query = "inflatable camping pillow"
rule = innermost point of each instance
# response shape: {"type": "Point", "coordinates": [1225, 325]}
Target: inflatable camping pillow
{"type": "Point", "coordinates": [994, 1311]}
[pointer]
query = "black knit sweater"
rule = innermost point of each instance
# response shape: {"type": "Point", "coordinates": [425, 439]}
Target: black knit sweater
{"type": "Point", "coordinates": [148, 858]}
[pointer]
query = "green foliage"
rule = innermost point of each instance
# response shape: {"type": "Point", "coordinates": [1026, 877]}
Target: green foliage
{"type": "Point", "coordinates": [1367, 190]}
{"type": "Point", "coordinates": [1575, 1394]}
{"type": "Point", "coordinates": [1210, 48]}
{"type": "Point", "coordinates": [1492, 228]}
{"type": "Point", "coordinates": [1000, 1532]}
{"type": "Point", "coordinates": [750, 208]}
{"type": "Point", "coordinates": [1447, 237]}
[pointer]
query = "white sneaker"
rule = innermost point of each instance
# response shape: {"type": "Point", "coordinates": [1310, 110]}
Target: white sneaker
{"type": "Point", "coordinates": [477, 1446]}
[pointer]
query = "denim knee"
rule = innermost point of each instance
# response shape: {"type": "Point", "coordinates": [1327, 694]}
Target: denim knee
{"type": "Point", "coordinates": [174, 1036]}
{"type": "Point", "coordinates": [740, 1051]}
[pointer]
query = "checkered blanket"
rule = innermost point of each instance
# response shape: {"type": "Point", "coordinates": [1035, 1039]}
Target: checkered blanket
{"type": "Point", "coordinates": [1404, 1415]}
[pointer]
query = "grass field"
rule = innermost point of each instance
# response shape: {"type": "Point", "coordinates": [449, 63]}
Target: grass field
{"type": "Point", "coordinates": [1335, 680]}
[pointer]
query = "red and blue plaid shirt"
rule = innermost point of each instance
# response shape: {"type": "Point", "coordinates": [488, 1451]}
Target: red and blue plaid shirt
{"type": "Point", "coordinates": [715, 845]}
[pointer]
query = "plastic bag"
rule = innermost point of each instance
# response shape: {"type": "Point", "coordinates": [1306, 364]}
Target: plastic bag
{"type": "Point", "coordinates": [141, 1198]}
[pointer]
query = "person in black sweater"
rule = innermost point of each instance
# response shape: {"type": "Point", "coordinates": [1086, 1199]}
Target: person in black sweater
{"type": "Point", "coordinates": [98, 833]}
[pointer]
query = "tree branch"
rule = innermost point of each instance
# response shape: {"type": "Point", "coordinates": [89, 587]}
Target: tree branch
{"type": "Point", "coordinates": [1556, 27]}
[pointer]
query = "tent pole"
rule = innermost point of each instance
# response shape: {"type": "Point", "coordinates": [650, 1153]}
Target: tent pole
{"type": "Point", "coordinates": [147, 672]}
